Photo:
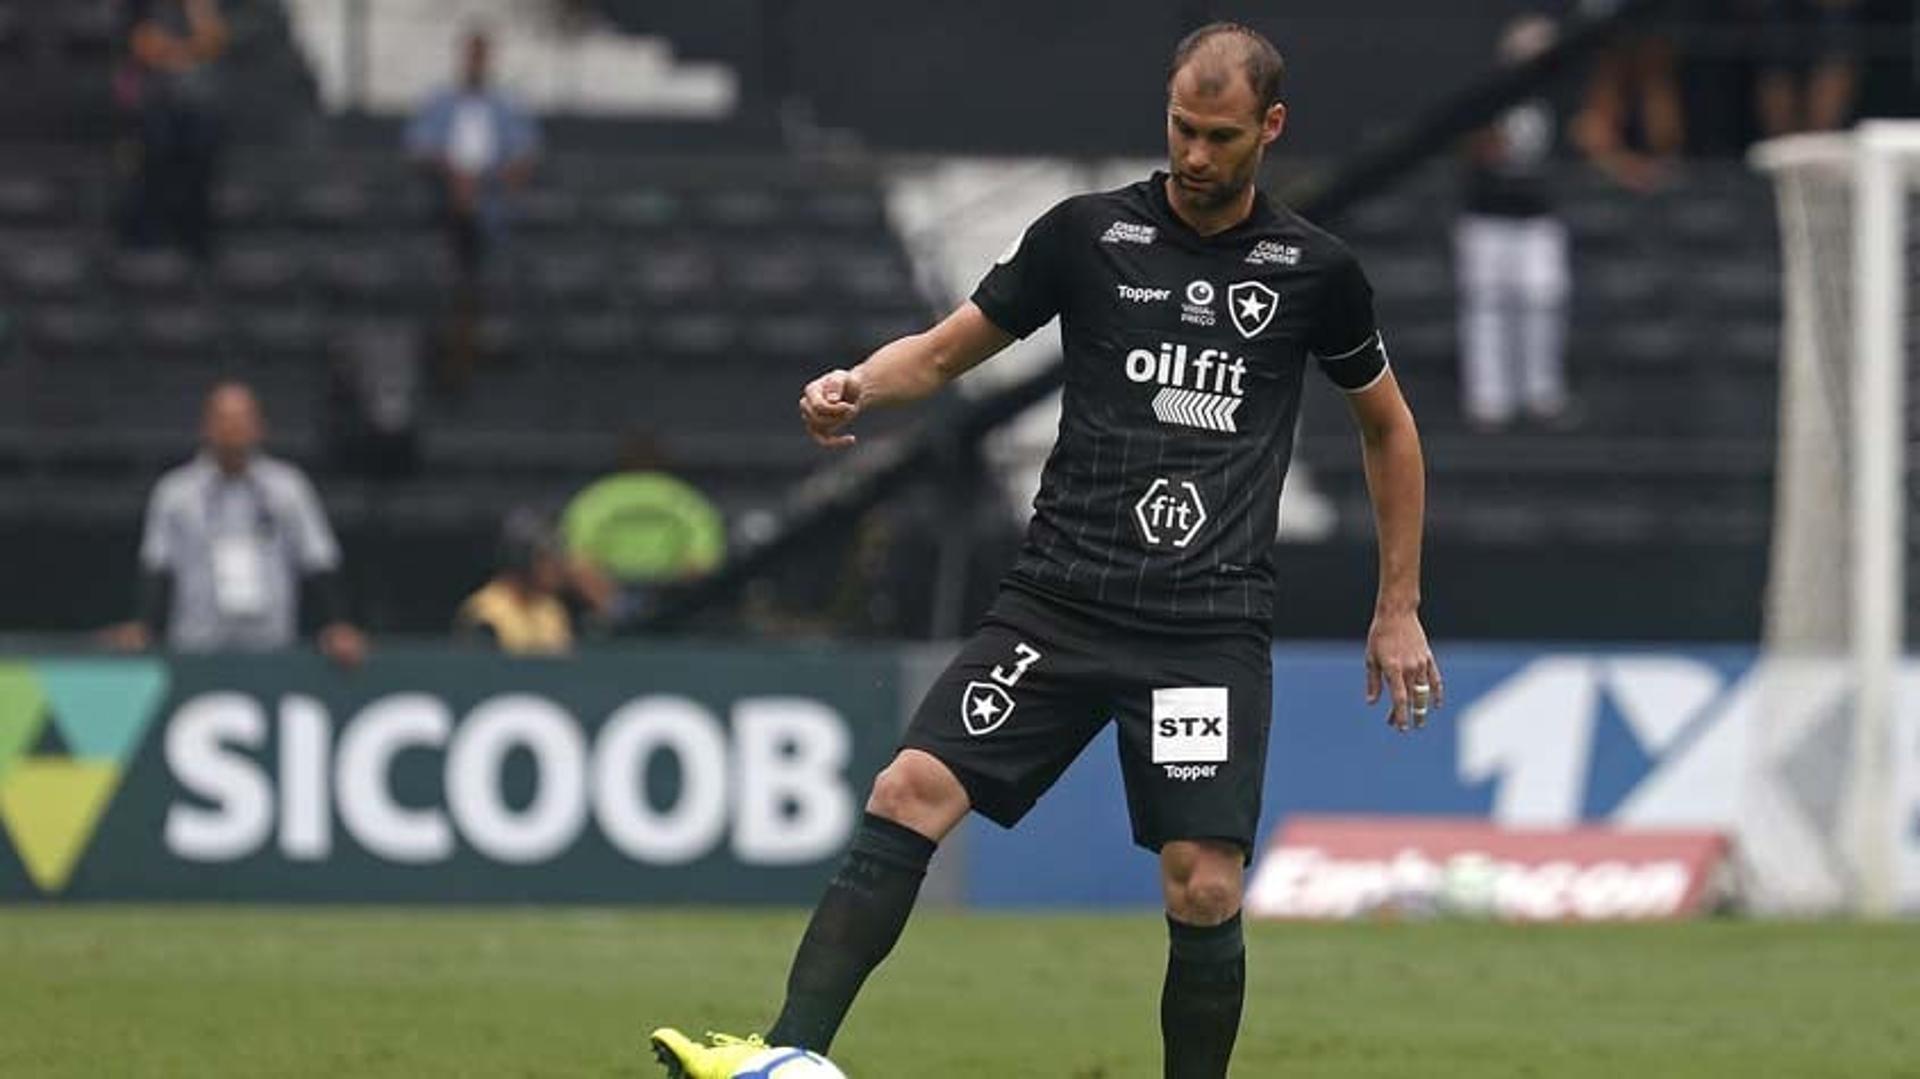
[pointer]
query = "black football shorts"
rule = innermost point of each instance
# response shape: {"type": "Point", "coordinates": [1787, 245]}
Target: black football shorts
{"type": "Point", "coordinates": [1039, 679]}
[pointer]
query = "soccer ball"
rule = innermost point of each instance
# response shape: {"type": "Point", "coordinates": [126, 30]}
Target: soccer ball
{"type": "Point", "coordinates": [788, 1063]}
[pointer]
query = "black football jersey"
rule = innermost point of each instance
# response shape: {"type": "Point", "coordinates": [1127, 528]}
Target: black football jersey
{"type": "Point", "coordinates": [1184, 359]}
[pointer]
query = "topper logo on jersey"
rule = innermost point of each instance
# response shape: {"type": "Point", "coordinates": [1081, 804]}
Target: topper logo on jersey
{"type": "Point", "coordinates": [1170, 515]}
{"type": "Point", "coordinates": [1201, 388]}
{"type": "Point", "coordinates": [1252, 305]}
{"type": "Point", "coordinates": [1145, 295]}
{"type": "Point", "coordinates": [1190, 731]}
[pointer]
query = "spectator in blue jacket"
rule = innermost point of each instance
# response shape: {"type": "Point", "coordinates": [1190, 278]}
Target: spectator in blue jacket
{"type": "Point", "coordinates": [477, 146]}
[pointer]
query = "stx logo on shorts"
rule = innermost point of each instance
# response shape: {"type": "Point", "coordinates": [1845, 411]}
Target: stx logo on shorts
{"type": "Point", "coordinates": [1195, 726]}
{"type": "Point", "coordinates": [1170, 516]}
{"type": "Point", "coordinates": [1190, 726]}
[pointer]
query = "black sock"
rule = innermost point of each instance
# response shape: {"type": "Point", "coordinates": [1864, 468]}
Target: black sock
{"type": "Point", "coordinates": [1200, 1004]}
{"type": "Point", "coordinates": [853, 929]}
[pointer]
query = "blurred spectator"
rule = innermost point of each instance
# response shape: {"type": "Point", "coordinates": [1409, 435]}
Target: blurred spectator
{"type": "Point", "coordinates": [643, 526]}
{"type": "Point", "coordinates": [1810, 77]}
{"type": "Point", "coordinates": [228, 537]}
{"type": "Point", "coordinates": [373, 401]}
{"type": "Point", "coordinates": [477, 147]}
{"type": "Point", "coordinates": [521, 610]}
{"type": "Point", "coordinates": [1511, 259]}
{"type": "Point", "coordinates": [170, 84]}
{"type": "Point", "coordinates": [1633, 88]}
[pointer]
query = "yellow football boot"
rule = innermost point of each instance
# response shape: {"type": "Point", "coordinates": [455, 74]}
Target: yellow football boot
{"type": "Point", "coordinates": [685, 1058]}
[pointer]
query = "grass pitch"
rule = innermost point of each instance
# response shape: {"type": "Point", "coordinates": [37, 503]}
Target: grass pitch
{"type": "Point", "coordinates": [217, 992]}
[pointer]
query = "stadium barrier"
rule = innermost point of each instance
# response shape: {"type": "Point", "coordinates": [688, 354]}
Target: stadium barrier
{"type": "Point", "coordinates": [1336, 868]}
{"type": "Point", "coordinates": [676, 773]}
{"type": "Point", "coordinates": [668, 774]}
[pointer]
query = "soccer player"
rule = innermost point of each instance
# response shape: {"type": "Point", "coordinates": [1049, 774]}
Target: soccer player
{"type": "Point", "coordinates": [1190, 307]}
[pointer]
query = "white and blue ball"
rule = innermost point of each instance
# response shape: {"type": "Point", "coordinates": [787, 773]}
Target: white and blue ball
{"type": "Point", "coordinates": [787, 1063]}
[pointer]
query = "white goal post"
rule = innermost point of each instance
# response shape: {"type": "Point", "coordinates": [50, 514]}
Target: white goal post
{"type": "Point", "coordinates": [1837, 587]}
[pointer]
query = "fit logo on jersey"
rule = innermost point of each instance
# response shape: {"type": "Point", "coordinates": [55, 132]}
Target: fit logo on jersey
{"type": "Point", "coordinates": [1170, 514]}
{"type": "Point", "coordinates": [1126, 232]}
{"type": "Point", "coordinates": [1190, 731]}
{"type": "Point", "coordinates": [1201, 388]}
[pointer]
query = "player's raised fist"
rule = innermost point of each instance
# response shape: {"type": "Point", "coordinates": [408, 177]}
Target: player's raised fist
{"type": "Point", "coordinates": [828, 404]}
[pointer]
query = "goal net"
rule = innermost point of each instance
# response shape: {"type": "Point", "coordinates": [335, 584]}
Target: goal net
{"type": "Point", "coordinates": [1829, 809]}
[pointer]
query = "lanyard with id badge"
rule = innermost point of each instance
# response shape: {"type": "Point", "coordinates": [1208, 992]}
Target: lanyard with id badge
{"type": "Point", "coordinates": [241, 552]}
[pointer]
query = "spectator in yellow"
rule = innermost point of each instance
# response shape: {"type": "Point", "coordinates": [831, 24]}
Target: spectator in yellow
{"type": "Point", "coordinates": [643, 526]}
{"type": "Point", "coordinates": [520, 611]}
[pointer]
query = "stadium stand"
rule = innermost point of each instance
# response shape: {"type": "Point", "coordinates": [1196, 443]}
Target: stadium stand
{"type": "Point", "coordinates": [1673, 353]}
{"type": "Point", "coordinates": [756, 272]}
{"type": "Point", "coordinates": [688, 291]}
{"type": "Point", "coordinates": [1674, 344]}
{"type": "Point", "coordinates": [559, 60]}
{"type": "Point", "coordinates": [641, 290]}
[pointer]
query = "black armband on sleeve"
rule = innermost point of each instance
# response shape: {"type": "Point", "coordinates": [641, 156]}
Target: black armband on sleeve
{"type": "Point", "coordinates": [1346, 338]}
{"type": "Point", "coordinates": [1359, 369]}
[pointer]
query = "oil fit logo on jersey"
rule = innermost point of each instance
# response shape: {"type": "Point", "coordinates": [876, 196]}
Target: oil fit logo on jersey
{"type": "Point", "coordinates": [1169, 514]}
{"type": "Point", "coordinates": [1190, 731]}
{"type": "Point", "coordinates": [1200, 388]}
{"type": "Point", "coordinates": [986, 706]}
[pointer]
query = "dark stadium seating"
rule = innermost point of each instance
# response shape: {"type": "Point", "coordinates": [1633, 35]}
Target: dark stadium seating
{"type": "Point", "coordinates": [690, 292]}
{"type": "Point", "coordinates": [1673, 355]}
{"type": "Point", "coordinates": [688, 298]}
{"type": "Point", "coordinates": [56, 57]}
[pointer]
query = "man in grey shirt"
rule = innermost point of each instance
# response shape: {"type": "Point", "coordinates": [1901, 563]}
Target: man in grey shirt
{"type": "Point", "coordinates": [229, 537]}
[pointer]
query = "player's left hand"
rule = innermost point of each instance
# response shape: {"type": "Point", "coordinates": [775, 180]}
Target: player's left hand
{"type": "Point", "coordinates": [1398, 657]}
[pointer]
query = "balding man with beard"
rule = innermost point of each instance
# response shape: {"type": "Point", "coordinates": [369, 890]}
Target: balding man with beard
{"type": "Point", "coordinates": [230, 538]}
{"type": "Point", "coordinates": [1191, 309]}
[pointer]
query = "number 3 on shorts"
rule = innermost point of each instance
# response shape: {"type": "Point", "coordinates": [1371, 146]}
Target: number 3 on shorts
{"type": "Point", "coordinates": [1024, 656]}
